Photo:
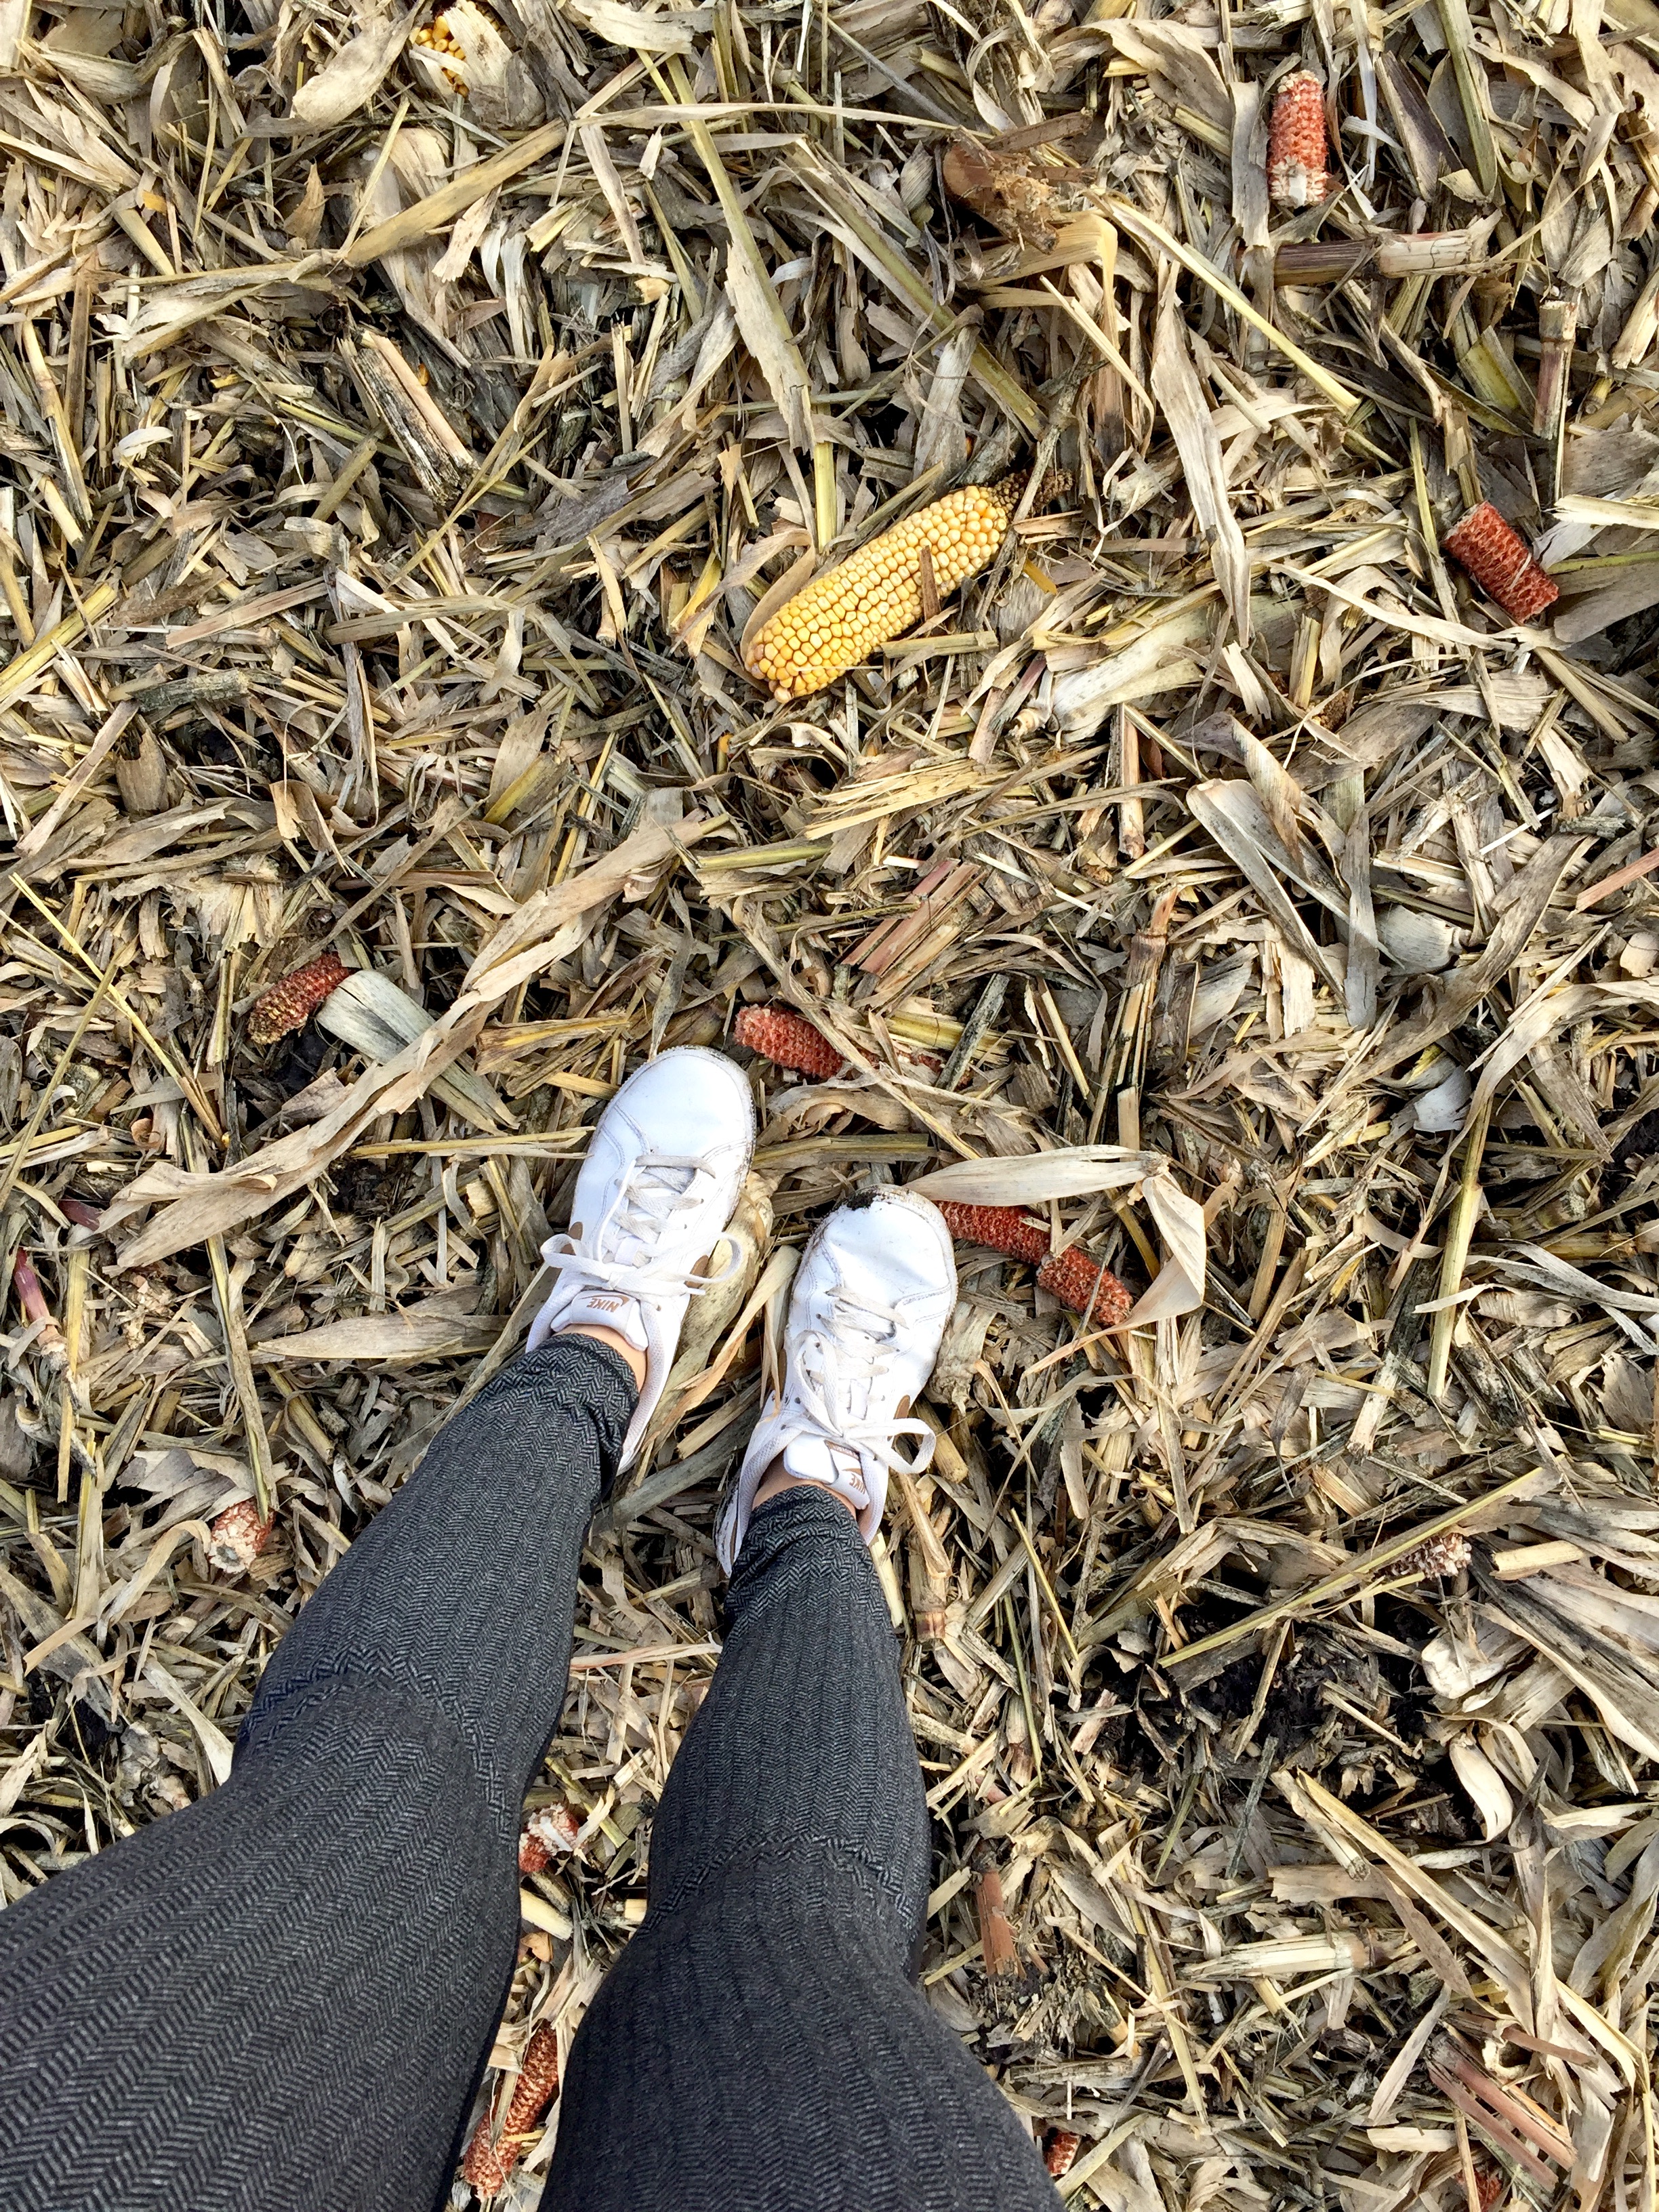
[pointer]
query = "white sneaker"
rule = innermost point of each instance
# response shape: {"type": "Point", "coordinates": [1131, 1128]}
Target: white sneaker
{"type": "Point", "coordinates": [874, 1289]}
{"type": "Point", "coordinates": [660, 1183]}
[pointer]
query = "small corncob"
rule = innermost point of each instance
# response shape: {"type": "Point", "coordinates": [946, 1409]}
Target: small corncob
{"type": "Point", "coordinates": [1004, 1228]}
{"type": "Point", "coordinates": [1489, 2184]}
{"type": "Point", "coordinates": [1072, 1277]}
{"type": "Point", "coordinates": [290, 1004]}
{"type": "Point", "coordinates": [1060, 2150]}
{"type": "Point", "coordinates": [1500, 563]}
{"type": "Point", "coordinates": [438, 40]}
{"type": "Point", "coordinates": [1298, 149]}
{"type": "Point", "coordinates": [1439, 1559]}
{"type": "Point", "coordinates": [239, 1536]}
{"type": "Point", "coordinates": [777, 1034]}
{"type": "Point", "coordinates": [1088, 1288]}
{"type": "Point", "coordinates": [875, 595]}
{"type": "Point", "coordinates": [551, 1829]}
{"type": "Point", "coordinates": [488, 2165]}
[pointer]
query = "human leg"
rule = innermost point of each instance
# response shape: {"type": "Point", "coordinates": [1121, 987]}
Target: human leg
{"type": "Point", "coordinates": [760, 2046]}
{"type": "Point", "coordinates": [281, 1998]}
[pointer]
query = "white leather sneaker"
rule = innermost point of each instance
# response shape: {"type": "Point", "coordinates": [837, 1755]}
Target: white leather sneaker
{"type": "Point", "coordinates": [660, 1183]}
{"type": "Point", "coordinates": [874, 1289]}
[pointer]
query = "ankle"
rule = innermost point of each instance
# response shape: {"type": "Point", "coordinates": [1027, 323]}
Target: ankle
{"type": "Point", "coordinates": [777, 1478]}
{"type": "Point", "coordinates": [618, 1344]}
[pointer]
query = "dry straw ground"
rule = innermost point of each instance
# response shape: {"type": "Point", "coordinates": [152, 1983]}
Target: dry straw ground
{"type": "Point", "coordinates": [402, 425]}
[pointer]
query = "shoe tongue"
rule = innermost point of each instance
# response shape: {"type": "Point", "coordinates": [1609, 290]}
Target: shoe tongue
{"type": "Point", "coordinates": [857, 1333]}
{"type": "Point", "coordinates": [641, 1212]}
{"type": "Point", "coordinates": [675, 1180]}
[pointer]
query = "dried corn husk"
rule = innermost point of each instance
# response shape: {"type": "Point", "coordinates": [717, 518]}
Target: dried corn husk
{"type": "Point", "coordinates": [1213, 878]}
{"type": "Point", "coordinates": [371, 1014]}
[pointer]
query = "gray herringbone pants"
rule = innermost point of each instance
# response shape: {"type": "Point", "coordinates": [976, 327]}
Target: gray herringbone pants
{"type": "Point", "coordinates": [280, 2000]}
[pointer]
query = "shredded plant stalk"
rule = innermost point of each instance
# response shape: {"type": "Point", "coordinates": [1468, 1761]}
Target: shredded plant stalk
{"type": "Point", "coordinates": [1234, 874]}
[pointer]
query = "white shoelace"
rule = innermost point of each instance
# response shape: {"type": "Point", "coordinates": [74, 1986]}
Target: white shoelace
{"type": "Point", "coordinates": [837, 1367]}
{"type": "Point", "coordinates": [647, 1204]}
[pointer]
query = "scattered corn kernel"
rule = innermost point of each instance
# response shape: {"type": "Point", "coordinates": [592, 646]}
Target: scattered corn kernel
{"type": "Point", "coordinates": [875, 595]}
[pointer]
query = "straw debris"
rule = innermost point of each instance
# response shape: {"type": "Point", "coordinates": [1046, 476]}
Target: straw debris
{"type": "Point", "coordinates": [411, 422]}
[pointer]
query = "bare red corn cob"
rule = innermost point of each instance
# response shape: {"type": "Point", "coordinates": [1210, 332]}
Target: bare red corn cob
{"type": "Point", "coordinates": [1298, 149]}
{"type": "Point", "coordinates": [1074, 1277]}
{"type": "Point", "coordinates": [1004, 1228]}
{"type": "Point", "coordinates": [488, 2165]}
{"type": "Point", "coordinates": [1500, 563]}
{"type": "Point", "coordinates": [291, 1003]}
{"type": "Point", "coordinates": [1088, 1288]}
{"type": "Point", "coordinates": [1489, 2184]}
{"type": "Point", "coordinates": [538, 2078]}
{"type": "Point", "coordinates": [551, 1829]}
{"type": "Point", "coordinates": [1060, 2150]}
{"type": "Point", "coordinates": [240, 1536]}
{"type": "Point", "coordinates": [777, 1034]}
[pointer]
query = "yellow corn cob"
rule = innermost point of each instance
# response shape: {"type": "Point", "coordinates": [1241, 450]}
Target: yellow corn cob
{"type": "Point", "coordinates": [875, 595]}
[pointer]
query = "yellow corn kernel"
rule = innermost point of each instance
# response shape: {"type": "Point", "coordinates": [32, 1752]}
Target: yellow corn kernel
{"type": "Point", "coordinates": [875, 595]}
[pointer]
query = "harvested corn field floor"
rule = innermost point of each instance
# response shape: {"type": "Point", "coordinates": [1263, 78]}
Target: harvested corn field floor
{"type": "Point", "coordinates": [1244, 883]}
